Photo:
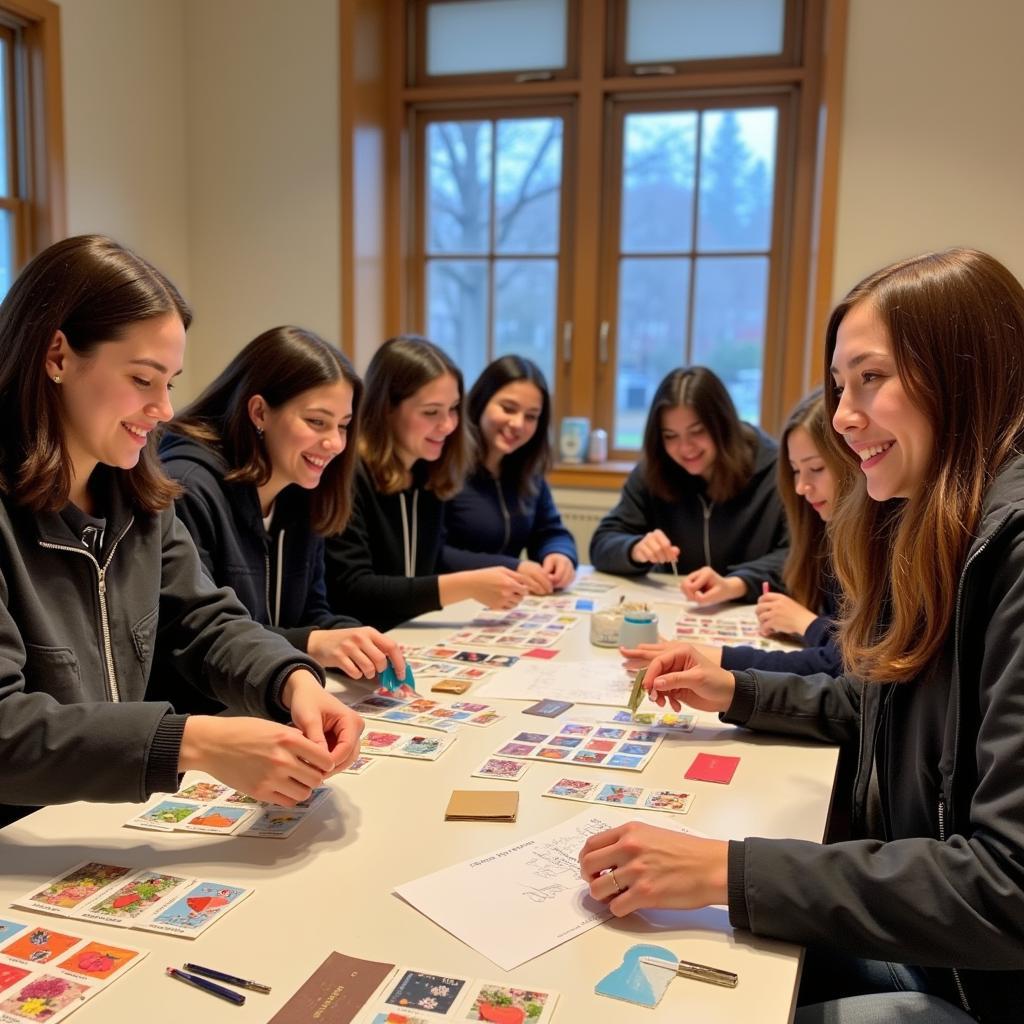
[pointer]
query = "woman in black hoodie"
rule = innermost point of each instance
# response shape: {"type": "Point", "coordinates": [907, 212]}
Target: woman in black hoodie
{"type": "Point", "coordinates": [265, 460]}
{"type": "Point", "coordinates": [702, 501]}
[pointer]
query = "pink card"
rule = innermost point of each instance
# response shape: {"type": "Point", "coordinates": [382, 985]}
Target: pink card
{"type": "Point", "coordinates": [712, 768]}
{"type": "Point", "coordinates": [540, 652]}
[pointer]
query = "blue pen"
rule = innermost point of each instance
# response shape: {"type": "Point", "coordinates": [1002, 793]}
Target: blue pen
{"type": "Point", "coordinates": [209, 972]}
{"type": "Point", "coordinates": [207, 986]}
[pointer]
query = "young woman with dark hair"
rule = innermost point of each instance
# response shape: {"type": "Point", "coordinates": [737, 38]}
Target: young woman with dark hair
{"type": "Point", "coordinates": [99, 578]}
{"type": "Point", "coordinates": [811, 477]}
{"type": "Point", "coordinates": [921, 916]}
{"type": "Point", "coordinates": [414, 453]}
{"type": "Point", "coordinates": [506, 504]}
{"type": "Point", "coordinates": [702, 497]}
{"type": "Point", "coordinates": [265, 456]}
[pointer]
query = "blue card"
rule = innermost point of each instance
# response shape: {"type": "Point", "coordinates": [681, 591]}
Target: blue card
{"type": "Point", "coordinates": [639, 983]}
{"type": "Point", "coordinates": [390, 681]}
{"type": "Point", "coordinates": [548, 708]}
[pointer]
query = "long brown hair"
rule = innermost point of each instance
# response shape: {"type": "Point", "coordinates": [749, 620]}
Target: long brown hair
{"type": "Point", "coordinates": [279, 364]}
{"type": "Point", "coordinates": [92, 289]}
{"type": "Point", "coordinates": [398, 369]}
{"type": "Point", "coordinates": [735, 443]}
{"type": "Point", "coordinates": [808, 562]}
{"type": "Point", "coordinates": [955, 321]}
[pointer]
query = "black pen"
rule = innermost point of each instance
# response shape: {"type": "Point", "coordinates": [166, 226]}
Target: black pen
{"type": "Point", "coordinates": [207, 986]}
{"type": "Point", "coordinates": [253, 986]}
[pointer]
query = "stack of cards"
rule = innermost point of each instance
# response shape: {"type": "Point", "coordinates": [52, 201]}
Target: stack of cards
{"type": "Point", "coordinates": [421, 748]}
{"type": "Point", "coordinates": [209, 806]}
{"type": "Point", "coordinates": [621, 796]}
{"type": "Point", "coordinates": [517, 628]}
{"type": "Point", "coordinates": [401, 994]}
{"type": "Point", "coordinates": [482, 805]}
{"type": "Point", "coordinates": [152, 901]}
{"type": "Point", "coordinates": [586, 743]}
{"type": "Point", "coordinates": [429, 714]}
{"type": "Point", "coordinates": [45, 974]}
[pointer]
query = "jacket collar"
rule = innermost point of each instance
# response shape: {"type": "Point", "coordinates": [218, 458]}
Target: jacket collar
{"type": "Point", "coordinates": [118, 513]}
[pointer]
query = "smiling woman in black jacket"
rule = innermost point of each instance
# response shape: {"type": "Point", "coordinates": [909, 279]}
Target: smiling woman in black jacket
{"type": "Point", "coordinates": [701, 500]}
{"type": "Point", "coordinates": [98, 578]}
{"type": "Point", "coordinates": [924, 908]}
{"type": "Point", "coordinates": [265, 455]}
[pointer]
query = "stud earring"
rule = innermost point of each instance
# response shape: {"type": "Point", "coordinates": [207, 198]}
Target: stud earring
{"type": "Point", "coordinates": [57, 378]}
{"type": "Point", "coordinates": [259, 432]}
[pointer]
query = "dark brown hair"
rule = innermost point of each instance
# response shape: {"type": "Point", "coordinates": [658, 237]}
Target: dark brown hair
{"type": "Point", "coordinates": [534, 458]}
{"type": "Point", "coordinates": [92, 290]}
{"type": "Point", "coordinates": [735, 443]}
{"type": "Point", "coordinates": [278, 365]}
{"type": "Point", "coordinates": [808, 561]}
{"type": "Point", "coordinates": [955, 322]}
{"type": "Point", "coordinates": [398, 369]}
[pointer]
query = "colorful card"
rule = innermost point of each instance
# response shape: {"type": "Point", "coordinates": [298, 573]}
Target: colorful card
{"type": "Point", "coordinates": [39, 946]}
{"type": "Point", "coordinates": [47, 996]}
{"type": "Point", "coordinates": [396, 744]}
{"type": "Point", "coordinates": [140, 894]}
{"type": "Point", "coordinates": [636, 982]}
{"type": "Point", "coordinates": [423, 712]}
{"type": "Point", "coordinates": [432, 992]}
{"type": "Point", "coordinates": [75, 888]}
{"type": "Point", "coordinates": [578, 743]}
{"type": "Point", "coordinates": [505, 768]}
{"type": "Point", "coordinates": [712, 768]}
{"type": "Point", "coordinates": [544, 653]}
{"type": "Point", "coordinates": [501, 1003]}
{"type": "Point", "coordinates": [165, 815]}
{"type": "Point", "coordinates": [360, 765]}
{"type": "Point", "coordinates": [194, 912]}
{"type": "Point", "coordinates": [619, 795]}
{"type": "Point", "coordinates": [222, 819]}
{"type": "Point", "coordinates": [548, 708]}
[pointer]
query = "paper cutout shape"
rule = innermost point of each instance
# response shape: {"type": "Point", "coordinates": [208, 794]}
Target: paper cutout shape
{"type": "Point", "coordinates": [639, 983]}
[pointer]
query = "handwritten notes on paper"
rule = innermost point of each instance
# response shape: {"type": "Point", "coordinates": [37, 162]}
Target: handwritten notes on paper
{"type": "Point", "coordinates": [520, 901]}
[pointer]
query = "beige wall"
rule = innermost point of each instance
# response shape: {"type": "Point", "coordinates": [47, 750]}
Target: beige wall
{"type": "Point", "coordinates": [933, 136]}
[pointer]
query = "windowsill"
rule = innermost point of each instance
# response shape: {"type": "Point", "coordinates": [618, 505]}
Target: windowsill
{"type": "Point", "coordinates": [608, 476]}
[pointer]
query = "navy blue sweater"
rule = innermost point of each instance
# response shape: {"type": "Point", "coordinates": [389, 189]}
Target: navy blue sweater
{"type": "Point", "coordinates": [488, 523]}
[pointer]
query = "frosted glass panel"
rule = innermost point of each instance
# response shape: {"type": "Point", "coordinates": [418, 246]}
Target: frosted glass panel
{"type": "Point", "coordinates": [6, 251]}
{"type": "Point", "coordinates": [5, 114]}
{"type": "Point", "coordinates": [495, 35]}
{"type": "Point", "coordinates": [667, 30]}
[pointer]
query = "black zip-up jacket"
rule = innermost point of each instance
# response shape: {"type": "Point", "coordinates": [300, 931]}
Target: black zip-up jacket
{"type": "Point", "coordinates": [366, 570]}
{"type": "Point", "coordinates": [78, 638]}
{"type": "Point", "coordinates": [489, 523]}
{"type": "Point", "coordinates": [278, 576]}
{"type": "Point", "coordinates": [745, 536]}
{"type": "Point", "coordinates": [943, 886]}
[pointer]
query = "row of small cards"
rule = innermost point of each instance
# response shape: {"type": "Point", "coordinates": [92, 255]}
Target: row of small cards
{"type": "Point", "coordinates": [515, 629]}
{"type": "Point", "coordinates": [458, 664]}
{"type": "Point", "coordinates": [621, 796]}
{"type": "Point", "coordinates": [422, 748]}
{"type": "Point", "coordinates": [559, 602]}
{"type": "Point", "coordinates": [663, 721]}
{"type": "Point", "coordinates": [432, 714]}
{"type": "Point", "coordinates": [212, 807]}
{"type": "Point", "coordinates": [129, 898]}
{"type": "Point", "coordinates": [586, 743]}
{"type": "Point", "coordinates": [45, 975]}
{"type": "Point", "coordinates": [715, 630]}
{"type": "Point", "coordinates": [380, 993]}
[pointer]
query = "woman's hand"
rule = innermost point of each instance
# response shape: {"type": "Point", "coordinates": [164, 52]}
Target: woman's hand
{"type": "Point", "coordinates": [637, 657]}
{"type": "Point", "coordinates": [681, 675]}
{"type": "Point", "coordinates": [654, 547]}
{"type": "Point", "coordinates": [705, 586]}
{"type": "Point", "coordinates": [497, 587]}
{"type": "Point", "coordinates": [538, 581]}
{"type": "Point", "coordinates": [559, 569]}
{"type": "Point", "coordinates": [638, 866]}
{"type": "Point", "coordinates": [361, 652]}
{"type": "Point", "coordinates": [322, 718]}
{"type": "Point", "coordinates": [777, 613]}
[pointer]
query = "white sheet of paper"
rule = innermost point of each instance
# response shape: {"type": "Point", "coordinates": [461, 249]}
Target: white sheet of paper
{"type": "Point", "coordinates": [602, 681]}
{"type": "Point", "coordinates": [532, 889]}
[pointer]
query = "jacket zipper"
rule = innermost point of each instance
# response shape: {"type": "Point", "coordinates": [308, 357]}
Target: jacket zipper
{"type": "Point", "coordinates": [113, 690]}
{"type": "Point", "coordinates": [266, 578]}
{"type": "Point", "coordinates": [504, 514]}
{"type": "Point", "coordinates": [707, 528]}
{"type": "Point", "coordinates": [956, 973]}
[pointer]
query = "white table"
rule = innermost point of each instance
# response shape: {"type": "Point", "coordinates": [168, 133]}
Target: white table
{"type": "Point", "coordinates": [328, 887]}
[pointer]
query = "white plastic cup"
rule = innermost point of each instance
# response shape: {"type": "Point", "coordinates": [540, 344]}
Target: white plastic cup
{"type": "Point", "coordinates": [638, 628]}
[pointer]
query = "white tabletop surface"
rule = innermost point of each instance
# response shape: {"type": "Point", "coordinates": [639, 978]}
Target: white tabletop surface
{"type": "Point", "coordinates": [328, 886]}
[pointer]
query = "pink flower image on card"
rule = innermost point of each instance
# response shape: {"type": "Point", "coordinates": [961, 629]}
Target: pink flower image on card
{"type": "Point", "coordinates": [578, 788]}
{"type": "Point", "coordinates": [380, 740]}
{"type": "Point", "coordinates": [79, 885]}
{"type": "Point", "coordinates": [502, 769]}
{"type": "Point", "coordinates": [43, 997]}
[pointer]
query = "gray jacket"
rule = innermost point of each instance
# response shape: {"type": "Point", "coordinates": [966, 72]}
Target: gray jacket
{"type": "Point", "coordinates": [939, 882]}
{"type": "Point", "coordinates": [79, 636]}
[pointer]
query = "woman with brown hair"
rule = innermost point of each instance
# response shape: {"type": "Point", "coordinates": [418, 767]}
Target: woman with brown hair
{"type": "Point", "coordinates": [99, 579]}
{"type": "Point", "coordinates": [923, 912]}
{"type": "Point", "coordinates": [265, 456]}
{"type": "Point", "coordinates": [414, 454]}
{"type": "Point", "coordinates": [701, 501]}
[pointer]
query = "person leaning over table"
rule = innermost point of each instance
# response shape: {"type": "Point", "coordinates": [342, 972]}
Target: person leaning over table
{"type": "Point", "coordinates": [265, 457]}
{"type": "Point", "coordinates": [701, 499]}
{"type": "Point", "coordinates": [505, 504]}
{"type": "Point", "coordinates": [414, 452]}
{"type": "Point", "coordinates": [921, 917]}
{"type": "Point", "coordinates": [99, 579]}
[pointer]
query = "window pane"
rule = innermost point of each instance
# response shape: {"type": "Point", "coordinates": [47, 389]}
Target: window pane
{"type": "Point", "coordinates": [7, 249]}
{"type": "Point", "coordinates": [528, 179]}
{"type": "Point", "coordinates": [737, 177]}
{"type": "Point", "coordinates": [5, 119]}
{"type": "Point", "coordinates": [658, 166]}
{"type": "Point", "coordinates": [729, 326]}
{"type": "Point", "coordinates": [459, 186]}
{"type": "Point", "coordinates": [457, 311]}
{"type": "Point", "coordinates": [525, 306]}
{"type": "Point", "coordinates": [665, 30]}
{"type": "Point", "coordinates": [653, 299]}
{"type": "Point", "coordinates": [495, 35]}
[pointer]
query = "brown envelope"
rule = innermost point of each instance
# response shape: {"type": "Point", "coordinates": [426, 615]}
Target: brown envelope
{"type": "Point", "coordinates": [482, 805]}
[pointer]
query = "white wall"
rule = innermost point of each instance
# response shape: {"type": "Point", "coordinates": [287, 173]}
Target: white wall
{"type": "Point", "coordinates": [933, 137]}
